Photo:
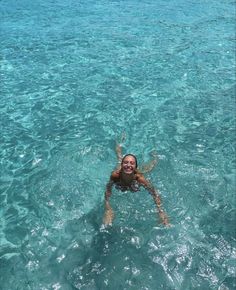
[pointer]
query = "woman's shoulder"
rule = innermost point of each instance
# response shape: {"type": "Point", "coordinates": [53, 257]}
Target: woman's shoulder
{"type": "Point", "coordinates": [115, 175]}
{"type": "Point", "coordinates": [141, 179]}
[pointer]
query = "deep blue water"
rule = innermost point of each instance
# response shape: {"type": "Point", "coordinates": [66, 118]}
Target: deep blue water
{"type": "Point", "coordinates": [75, 75]}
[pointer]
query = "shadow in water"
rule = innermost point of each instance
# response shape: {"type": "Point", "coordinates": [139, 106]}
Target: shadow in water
{"type": "Point", "coordinates": [112, 257]}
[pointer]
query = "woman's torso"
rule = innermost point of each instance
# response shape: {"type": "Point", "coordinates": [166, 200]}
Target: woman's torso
{"type": "Point", "coordinates": [121, 185]}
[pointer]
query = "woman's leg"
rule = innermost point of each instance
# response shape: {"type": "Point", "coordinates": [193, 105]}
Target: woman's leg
{"type": "Point", "coordinates": [147, 167]}
{"type": "Point", "coordinates": [119, 150]}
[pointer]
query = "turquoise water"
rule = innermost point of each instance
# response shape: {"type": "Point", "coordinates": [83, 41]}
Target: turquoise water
{"type": "Point", "coordinates": [75, 75]}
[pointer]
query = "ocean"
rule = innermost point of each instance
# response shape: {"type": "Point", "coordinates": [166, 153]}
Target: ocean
{"type": "Point", "coordinates": [75, 77]}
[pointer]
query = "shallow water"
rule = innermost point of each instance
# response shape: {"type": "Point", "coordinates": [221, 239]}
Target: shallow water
{"type": "Point", "coordinates": [75, 75]}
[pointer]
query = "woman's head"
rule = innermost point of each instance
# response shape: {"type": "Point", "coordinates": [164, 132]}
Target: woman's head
{"type": "Point", "coordinates": [129, 163]}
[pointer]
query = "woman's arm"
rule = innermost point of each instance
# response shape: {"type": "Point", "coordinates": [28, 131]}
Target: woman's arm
{"type": "Point", "coordinates": [108, 215]}
{"type": "Point", "coordinates": [157, 199]}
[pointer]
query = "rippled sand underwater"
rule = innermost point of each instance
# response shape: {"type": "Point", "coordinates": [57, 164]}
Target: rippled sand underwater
{"type": "Point", "coordinates": [75, 75]}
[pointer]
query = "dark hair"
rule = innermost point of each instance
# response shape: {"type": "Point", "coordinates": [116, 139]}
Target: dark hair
{"type": "Point", "coordinates": [132, 156]}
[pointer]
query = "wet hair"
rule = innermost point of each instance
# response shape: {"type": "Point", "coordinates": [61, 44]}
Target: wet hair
{"type": "Point", "coordinates": [136, 162]}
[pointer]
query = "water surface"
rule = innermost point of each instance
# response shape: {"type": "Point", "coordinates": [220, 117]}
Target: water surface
{"type": "Point", "coordinates": [75, 75]}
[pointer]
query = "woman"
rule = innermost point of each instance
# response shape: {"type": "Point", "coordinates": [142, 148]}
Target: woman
{"type": "Point", "coordinates": [128, 178]}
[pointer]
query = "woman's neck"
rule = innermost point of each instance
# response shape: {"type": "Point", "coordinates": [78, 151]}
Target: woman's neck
{"type": "Point", "coordinates": [127, 178]}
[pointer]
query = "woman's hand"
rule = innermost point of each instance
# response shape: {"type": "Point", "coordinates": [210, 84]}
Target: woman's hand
{"type": "Point", "coordinates": [164, 218]}
{"type": "Point", "coordinates": [108, 216]}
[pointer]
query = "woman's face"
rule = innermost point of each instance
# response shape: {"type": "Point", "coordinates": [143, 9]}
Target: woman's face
{"type": "Point", "coordinates": [128, 165]}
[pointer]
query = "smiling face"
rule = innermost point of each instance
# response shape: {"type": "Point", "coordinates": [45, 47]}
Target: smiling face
{"type": "Point", "coordinates": [128, 164]}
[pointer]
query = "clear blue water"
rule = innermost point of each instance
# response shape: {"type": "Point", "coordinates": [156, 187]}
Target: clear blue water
{"type": "Point", "coordinates": [74, 76]}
